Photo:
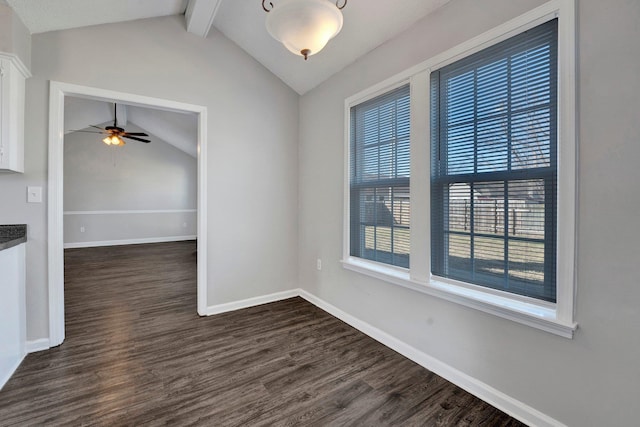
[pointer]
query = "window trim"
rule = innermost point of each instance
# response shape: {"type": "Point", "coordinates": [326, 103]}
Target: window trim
{"type": "Point", "coordinates": [556, 318]}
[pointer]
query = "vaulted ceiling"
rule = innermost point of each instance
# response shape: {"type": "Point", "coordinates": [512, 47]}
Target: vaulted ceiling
{"type": "Point", "coordinates": [177, 129]}
{"type": "Point", "coordinates": [367, 24]}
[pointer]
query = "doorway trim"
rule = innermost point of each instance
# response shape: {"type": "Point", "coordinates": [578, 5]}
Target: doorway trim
{"type": "Point", "coordinates": [57, 93]}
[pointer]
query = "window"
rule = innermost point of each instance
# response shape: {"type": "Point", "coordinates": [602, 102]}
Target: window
{"type": "Point", "coordinates": [494, 173]}
{"type": "Point", "coordinates": [493, 169]}
{"type": "Point", "coordinates": [379, 178]}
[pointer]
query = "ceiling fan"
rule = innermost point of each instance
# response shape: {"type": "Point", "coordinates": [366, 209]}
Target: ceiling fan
{"type": "Point", "coordinates": [114, 134]}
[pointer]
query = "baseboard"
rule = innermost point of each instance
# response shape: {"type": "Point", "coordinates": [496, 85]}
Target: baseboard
{"type": "Point", "coordinates": [38, 345]}
{"type": "Point", "coordinates": [251, 302]}
{"type": "Point", "coordinates": [505, 403]}
{"type": "Point", "coordinates": [128, 241]}
{"type": "Point", "coordinates": [4, 378]}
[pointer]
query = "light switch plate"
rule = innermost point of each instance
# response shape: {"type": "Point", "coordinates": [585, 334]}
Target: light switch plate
{"type": "Point", "coordinates": [34, 194]}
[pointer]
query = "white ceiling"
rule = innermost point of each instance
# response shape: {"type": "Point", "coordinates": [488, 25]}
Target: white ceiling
{"type": "Point", "coordinates": [41, 16]}
{"type": "Point", "coordinates": [367, 24]}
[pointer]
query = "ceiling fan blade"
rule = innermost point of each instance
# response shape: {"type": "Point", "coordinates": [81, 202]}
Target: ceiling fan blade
{"type": "Point", "coordinates": [97, 127]}
{"type": "Point", "coordinates": [136, 138]}
{"type": "Point", "coordinates": [136, 134]}
{"type": "Point", "coordinates": [85, 131]}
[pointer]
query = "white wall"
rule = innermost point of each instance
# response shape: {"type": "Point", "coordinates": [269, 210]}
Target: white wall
{"type": "Point", "coordinates": [591, 380]}
{"type": "Point", "coordinates": [145, 180]}
{"type": "Point", "coordinates": [14, 36]}
{"type": "Point", "coordinates": [252, 146]}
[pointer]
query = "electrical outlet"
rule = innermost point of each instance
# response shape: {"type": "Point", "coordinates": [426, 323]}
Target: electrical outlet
{"type": "Point", "coordinates": [319, 264]}
{"type": "Point", "coordinates": [82, 229]}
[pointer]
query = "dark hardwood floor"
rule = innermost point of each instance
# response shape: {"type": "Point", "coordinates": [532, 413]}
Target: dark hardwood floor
{"type": "Point", "coordinates": [137, 353]}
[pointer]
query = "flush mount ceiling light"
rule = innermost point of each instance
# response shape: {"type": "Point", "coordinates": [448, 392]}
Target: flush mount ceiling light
{"type": "Point", "coordinates": [304, 26]}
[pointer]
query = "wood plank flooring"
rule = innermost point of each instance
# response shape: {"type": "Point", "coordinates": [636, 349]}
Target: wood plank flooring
{"type": "Point", "coordinates": [137, 353]}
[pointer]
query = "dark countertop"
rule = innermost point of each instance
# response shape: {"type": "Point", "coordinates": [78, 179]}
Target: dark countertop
{"type": "Point", "coordinates": [12, 235]}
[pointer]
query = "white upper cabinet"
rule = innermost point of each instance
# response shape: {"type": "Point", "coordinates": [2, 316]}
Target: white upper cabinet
{"type": "Point", "coordinates": [12, 93]}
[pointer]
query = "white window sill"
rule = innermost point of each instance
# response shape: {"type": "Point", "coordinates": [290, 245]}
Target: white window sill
{"type": "Point", "coordinates": [540, 315]}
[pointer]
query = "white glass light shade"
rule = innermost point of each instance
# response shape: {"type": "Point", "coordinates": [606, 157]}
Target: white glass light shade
{"type": "Point", "coordinates": [304, 26]}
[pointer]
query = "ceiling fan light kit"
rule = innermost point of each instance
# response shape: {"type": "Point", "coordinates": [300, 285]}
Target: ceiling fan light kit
{"type": "Point", "coordinates": [114, 140]}
{"type": "Point", "coordinates": [304, 27]}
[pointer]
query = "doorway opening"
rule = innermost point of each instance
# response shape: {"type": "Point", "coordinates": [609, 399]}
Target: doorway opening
{"type": "Point", "coordinates": [58, 92]}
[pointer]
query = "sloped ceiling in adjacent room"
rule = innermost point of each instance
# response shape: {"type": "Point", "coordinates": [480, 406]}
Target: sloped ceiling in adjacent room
{"type": "Point", "coordinates": [177, 129]}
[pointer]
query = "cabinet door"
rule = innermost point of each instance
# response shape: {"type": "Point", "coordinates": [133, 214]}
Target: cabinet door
{"type": "Point", "coordinates": [12, 93]}
{"type": "Point", "coordinates": [12, 310]}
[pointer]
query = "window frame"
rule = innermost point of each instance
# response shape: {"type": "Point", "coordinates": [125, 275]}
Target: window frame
{"type": "Point", "coordinates": [556, 318]}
